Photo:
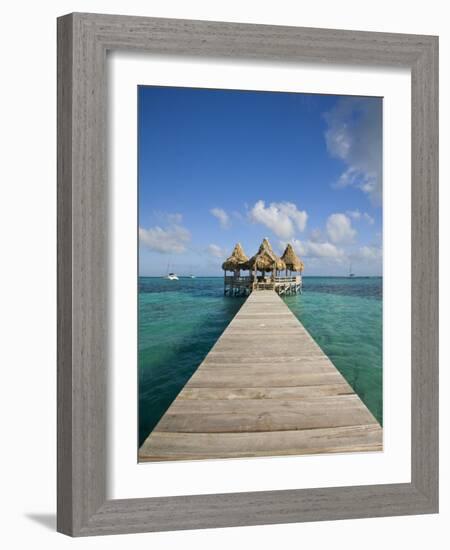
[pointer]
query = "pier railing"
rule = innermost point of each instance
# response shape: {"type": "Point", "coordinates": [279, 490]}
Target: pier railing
{"type": "Point", "coordinates": [296, 279]}
{"type": "Point", "coordinates": [230, 279]}
{"type": "Point", "coordinates": [235, 285]}
{"type": "Point", "coordinates": [263, 285]}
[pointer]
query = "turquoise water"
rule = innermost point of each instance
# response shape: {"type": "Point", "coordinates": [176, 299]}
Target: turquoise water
{"type": "Point", "coordinates": [179, 321]}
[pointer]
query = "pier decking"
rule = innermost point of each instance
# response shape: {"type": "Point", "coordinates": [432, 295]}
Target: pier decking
{"type": "Point", "coordinates": [265, 389]}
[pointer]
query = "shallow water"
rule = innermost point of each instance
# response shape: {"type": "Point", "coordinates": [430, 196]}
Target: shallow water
{"type": "Point", "coordinates": [179, 321]}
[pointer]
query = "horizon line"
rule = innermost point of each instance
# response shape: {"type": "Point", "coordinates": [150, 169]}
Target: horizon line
{"type": "Point", "coordinates": [221, 276]}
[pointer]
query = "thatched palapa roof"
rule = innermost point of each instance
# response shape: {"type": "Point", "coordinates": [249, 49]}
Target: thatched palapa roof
{"type": "Point", "coordinates": [236, 260]}
{"type": "Point", "coordinates": [292, 261]}
{"type": "Point", "coordinates": [265, 259]}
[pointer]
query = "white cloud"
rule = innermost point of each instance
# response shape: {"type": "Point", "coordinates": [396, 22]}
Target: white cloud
{"type": "Point", "coordinates": [283, 218]}
{"type": "Point", "coordinates": [222, 216]}
{"type": "Point", "coordinates": [369, 253]}
{"type": "Point", "coordinates": [339, 229]}
{"type": "Point", "coordinates": [327, 257]}
{"type": "Point", "coordinates": [324, 250]}
{"type": "Point", "coordinates": [175, 218]}
{"type": "Point", "coordinates": [215, 251]}
{"type": "Point", "coordinates": [310, 249]}
{"type": "Point", "coordinates": [354, 135]}
{"type": "Point", "coordinates": [355, 214]}
{"type": "Point", "coordinates": [316, 235]}
{"type": "Point", "coordinates": [368, 218]}
{"type": "Point", "coordinates": [168, 217]}
{"type": "Point", "coordinates": [173, 239]}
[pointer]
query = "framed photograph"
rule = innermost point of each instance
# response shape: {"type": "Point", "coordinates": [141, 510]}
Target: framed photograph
{"type": "Point", "coordinates": [247, 274]}
{"type": "Point", "coordinates": [278, 352]}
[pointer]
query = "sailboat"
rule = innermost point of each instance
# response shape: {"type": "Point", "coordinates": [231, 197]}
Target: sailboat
{"type": "Point", "coordinates": [170, 275]}
{"type": "Point", "coordinates": [350, 273]}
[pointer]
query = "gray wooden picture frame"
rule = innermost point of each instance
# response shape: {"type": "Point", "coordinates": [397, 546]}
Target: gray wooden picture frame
{"type": "Point", "coordinates": [83, 41]}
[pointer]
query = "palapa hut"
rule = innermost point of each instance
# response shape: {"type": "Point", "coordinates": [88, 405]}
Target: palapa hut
{"type": "Point", "coordinates": [236, 260]}
{"type": "Point", "coordinates": [292, 261]}
{"type": "Point", "coordinates": [263, 262]}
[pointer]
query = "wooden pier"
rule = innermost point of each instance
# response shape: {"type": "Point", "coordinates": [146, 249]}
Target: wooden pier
{"type": "Point", "coordinates": [265, 389]}
{"type": "Point", "coordinates": [265, 270]}
{"type": "Point", "coordinates": [237, 285]}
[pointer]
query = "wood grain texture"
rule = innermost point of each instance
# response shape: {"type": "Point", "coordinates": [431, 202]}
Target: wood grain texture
{"type": "Point", "coordinates": [167, 445]}
{"type": "Point", "coordinates": [425, 272]}
{"type": "Point", "coordinates": [254, 425]}
{"type": "Point", "coordinates": [271, 406]}
{"type": "Point", "coordinates": [83, 40]}
{"type": "Point", "coordinates": [269, 422]}
{"type": "Point", "coordinates": [82, 273]}
{"type": "Point", "coordinates": [65, 485]}
{"type": "Point", "coordinates": [264, 393]}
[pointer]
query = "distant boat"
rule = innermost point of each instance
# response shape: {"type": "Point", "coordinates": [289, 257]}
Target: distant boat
{"type": "Point", "coordinates": [170, 275]}
{"type": "Point", "coordinates": [191, 276]}
{"type": "Point", "coordinates": [350, 273]}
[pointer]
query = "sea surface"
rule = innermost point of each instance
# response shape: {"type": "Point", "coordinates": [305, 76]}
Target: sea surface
{"type": "Point", "coordinates": [179, 322]}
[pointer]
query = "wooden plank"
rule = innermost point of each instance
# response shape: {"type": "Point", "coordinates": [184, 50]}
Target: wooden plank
{"type": "Point", "coordinates": [265, 393]}
{"type": "Point", "coordinates": [265, 388]}
{"type": "Point", "coordinates": [223, 379]}
{"type": "Point", "coordinates": [225, 359]}
{"type": "Point", "coordinates": [279, 420]}
{"type": "Point", "coordinates": [262, 343]}
{"type": "Point", "coordinates": [176, 446]}
{"type": "Point", "coordinates": [313, 405]}
{"type": "Point", "coordinates": [220, 357]}
{"type": "Point", "coordinates": [286, 369]}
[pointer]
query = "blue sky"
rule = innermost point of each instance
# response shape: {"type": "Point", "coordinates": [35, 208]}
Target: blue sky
{"type": "Point", "coordinates": [217, 167]}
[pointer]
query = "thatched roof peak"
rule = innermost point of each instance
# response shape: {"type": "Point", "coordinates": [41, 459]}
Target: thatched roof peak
{"type": "Point", "coordinates": [237, 258]}
{"type": "Point", "coordinates": [292, 261]}
{"type": "Point", "coordinates": [265, 259]}
{"type": "Point", "coordinates": [265, 245]}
